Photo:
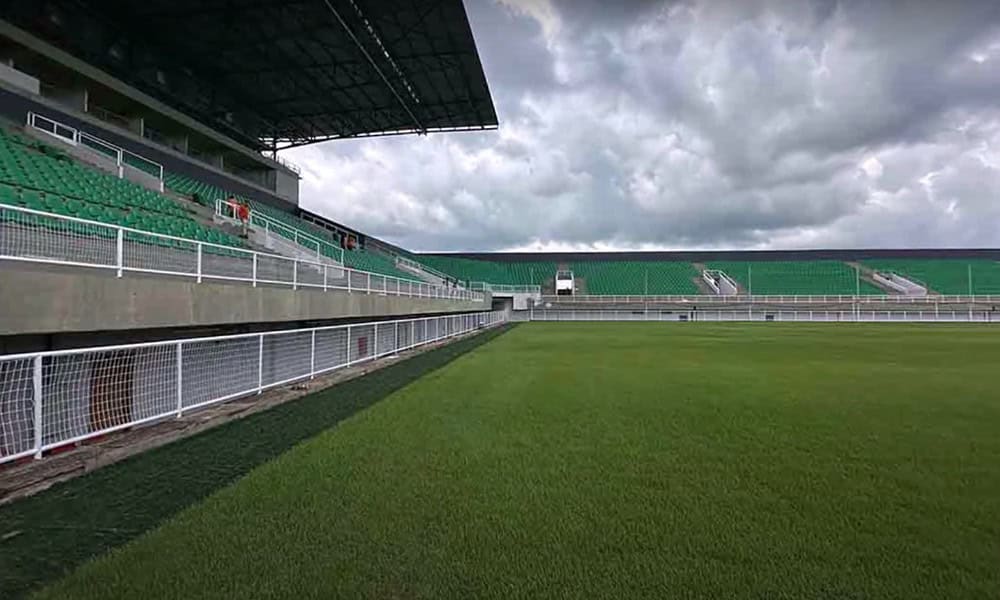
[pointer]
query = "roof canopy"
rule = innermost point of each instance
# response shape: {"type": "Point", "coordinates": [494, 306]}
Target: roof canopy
{"type": "Point", "coordinates": [279, 73]}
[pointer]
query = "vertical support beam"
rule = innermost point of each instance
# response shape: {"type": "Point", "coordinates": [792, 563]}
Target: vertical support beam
{"type": "Point", "coordinates": [970, 291]}
{"type": "Point", "coordinates": [348, 345]}
{"type": "Point", "coordinates": [137, 125]}
{"type": "Point", "coordinates": [295, 274]}
{"type": "Point", "coordinates": [260, 364]}
{"type": "Point", "coordinates": [255, 269]}
{"type": "Point", "coordinates": [180, 380]}
{"type": "Point", "coordinates": [37, 385]}
{"type": "Point", "coordinates": [199, 261]}
{"type": "Point", "coordinates": [120, 251]}
{"type": "Point", "coordinates": [312, 356]}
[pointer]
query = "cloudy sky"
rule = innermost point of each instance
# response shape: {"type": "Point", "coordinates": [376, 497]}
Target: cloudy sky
{"type": "Point", "coordinates": [699, 124]}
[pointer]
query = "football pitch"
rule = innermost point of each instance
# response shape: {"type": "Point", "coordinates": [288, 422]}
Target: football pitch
{"type": "Point", "coordinates": [639, 460]}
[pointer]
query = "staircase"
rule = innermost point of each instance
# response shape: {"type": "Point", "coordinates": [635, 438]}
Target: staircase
{"type": "Point", "coordinates": [422, 271]}
{"type": "Point", "coordinates": [280, 238]}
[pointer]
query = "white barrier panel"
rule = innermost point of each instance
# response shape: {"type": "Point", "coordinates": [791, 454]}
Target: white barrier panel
{"type": "Point", "coordinates": [50, 399]}
{"type": "Point", "coordinates": [700, 300]}
{"type": "Point", "coordinates": [747, 315]}
{"type": "Point", "coordinates": [503, 288]}
{"type": "Point", "coordinates": [42, 237]}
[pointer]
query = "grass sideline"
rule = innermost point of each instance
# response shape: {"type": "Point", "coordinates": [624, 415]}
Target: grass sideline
{"type": "Point", "coordinates": [623, 461]}
{"type": "Point", "coordinates": [45, 536]}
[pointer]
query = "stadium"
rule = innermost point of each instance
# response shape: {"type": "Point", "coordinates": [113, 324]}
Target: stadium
{"type": "Point", "coordinates": [208, 390]}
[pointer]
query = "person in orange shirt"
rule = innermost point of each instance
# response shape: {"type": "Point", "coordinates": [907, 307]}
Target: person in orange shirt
{"type": "Point", "coordinates": [243, 211]}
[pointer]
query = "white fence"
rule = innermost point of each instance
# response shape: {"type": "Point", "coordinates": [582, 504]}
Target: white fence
{"type": "Point", "coordinates": [320, 248]}
{"type": "Point", "coordinates": [762, 299]}
{"type": "Point", "coordinates": [50, 399]}
{"type": "Point", "coordinates": [503, 288]}
{"type": "Point", "coordinates": [833, 316]}
{"type": "Point", "coordinates": [41, 237]}
{"type": "Point", "coordinates": [122, 157]}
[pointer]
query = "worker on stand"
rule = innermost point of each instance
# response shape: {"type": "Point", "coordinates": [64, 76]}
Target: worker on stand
{"type": "Point", "coordinates": [243, 212]}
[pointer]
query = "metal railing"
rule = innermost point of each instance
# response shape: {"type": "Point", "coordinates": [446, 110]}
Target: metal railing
{"type": "Point", "coordinates": [122, 157]}
{"type": "Point", "coordinates": [413, 265]}
{"type": "Point", "coordinates": [294, 168]}
{"type": "Point", "coordinates": [747, 315]}
{"type": "Point", "coordinates": [504, 288]}
{"type": "Point", "coordinates": [774, 299]}
{"type": "Point", "coordinates": [52, 399]}
{"type": "Point", "coordinates": [269, 224]}
{"type": "Point", "coordinates": [41, 237]}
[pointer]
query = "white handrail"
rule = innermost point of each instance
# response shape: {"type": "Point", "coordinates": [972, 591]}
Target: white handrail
{"type": "Point", "coordinates": [766, 315]}
{"type": "Point", "coordinates": [306, 240]}
{"type": "Point", "coordinates": [82, 138]}
{"type": "Point", "coordinates": [776, 299]}
{"type": "Point", "coordinates": [419, 266]}
{"type": "Point", "coordinates": [81, 242]}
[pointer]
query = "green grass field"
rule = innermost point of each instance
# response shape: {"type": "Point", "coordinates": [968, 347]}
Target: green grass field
{"type": "Point", "coordinates": [622, 461]}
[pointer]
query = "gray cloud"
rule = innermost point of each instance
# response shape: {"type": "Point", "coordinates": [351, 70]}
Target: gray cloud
{"type": "Point", "coordinates": [758, 124]}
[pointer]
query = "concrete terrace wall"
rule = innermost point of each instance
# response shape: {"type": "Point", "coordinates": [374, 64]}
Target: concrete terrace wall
{"type": "Point", "coordinates": [57, 300]}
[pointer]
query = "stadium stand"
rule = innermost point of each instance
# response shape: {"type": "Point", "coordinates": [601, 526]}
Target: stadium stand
{"type": "Point", "coordinates": [945, 276]}
{"type": "Point", "coordinates": [37, 176]}
{"type": "Point", "coordinates": [796, 278]}
{"type": "Point", "coordinates": [367, 260]}
{"type": "Point", "coordinates": [207, 194]}
{"type": "Point", "coordinates": [198, 191]}
{"type": "Point", "coordinates": [359, 258]}
{"type": "Point", "coordinates": [497, 272]}
{"type": "Point", "coordinates": [627, 278]}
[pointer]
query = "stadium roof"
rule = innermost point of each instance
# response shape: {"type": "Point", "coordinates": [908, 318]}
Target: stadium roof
{"type": "Point", "coordinates": [280, 73]}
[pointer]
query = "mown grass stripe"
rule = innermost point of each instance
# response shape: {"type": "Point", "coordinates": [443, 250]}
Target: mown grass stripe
{"type": "Point", "coordinates": [622, 460]}
{"type": "Point", "coordinates": [45, 536]}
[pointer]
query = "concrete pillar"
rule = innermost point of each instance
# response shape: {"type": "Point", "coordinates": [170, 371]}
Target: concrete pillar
{"type": "Point", "coordinates": [179, 142]}
{"type": "Point", "coordinates": [76, 98]}
{"type": "Point", "coordinates": [137, 125]}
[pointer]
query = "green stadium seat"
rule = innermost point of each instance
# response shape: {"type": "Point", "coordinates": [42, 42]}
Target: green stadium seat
{"type": "Point", "coordinates": [37, 176]}
{"type": "Point", "coordinates": [496, 272]}
{"type": "Point", "coordinates": [945, 276]}
{"type": "Point", "coordinates": [796, 278]}
{"type": "Point", "coordinates": [633, 278]}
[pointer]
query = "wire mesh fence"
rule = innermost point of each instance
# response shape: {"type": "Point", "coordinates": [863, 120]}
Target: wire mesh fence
{"type": "Point", "coordinates": [52, 399]}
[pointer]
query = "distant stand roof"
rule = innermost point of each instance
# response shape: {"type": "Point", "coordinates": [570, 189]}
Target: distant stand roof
{"type": "Point", "coordinates": [281, 73]}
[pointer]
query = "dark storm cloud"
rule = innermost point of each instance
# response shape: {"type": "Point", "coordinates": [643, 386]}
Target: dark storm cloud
{"type": "Point", "coordinates": [699, 124]}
